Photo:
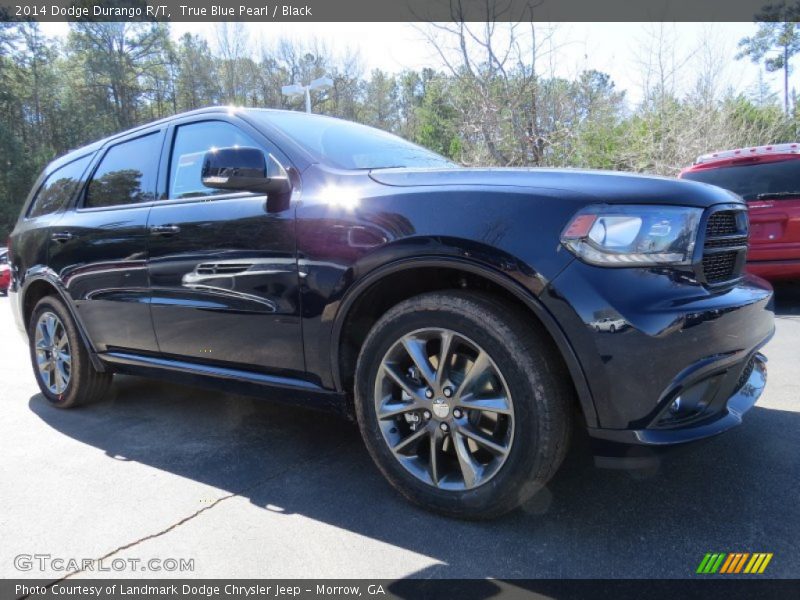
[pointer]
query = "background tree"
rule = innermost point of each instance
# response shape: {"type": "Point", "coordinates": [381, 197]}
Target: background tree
{"type": "Point", "coordinates": [196, 76]}
{"type": "Point", "coordinates": [381, 101]}
{"type": "Point", "coordinates": [775, 42]}
{"type": "Point", "coordinates": [489, 97]}
{"type": "Point", "coordinates": [118, 59]}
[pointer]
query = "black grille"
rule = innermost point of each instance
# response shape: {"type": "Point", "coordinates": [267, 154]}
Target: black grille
{"type": "Point", "coordinates": [719, 267]}
{"type": "Point", "coordinates": [722, 223]}
{"type": "Point", "coordinates": [725, 246]}
{"type": "Point", "coordinates": [728, 242]}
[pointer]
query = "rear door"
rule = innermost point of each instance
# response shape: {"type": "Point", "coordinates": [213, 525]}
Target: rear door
{"type": "Point", "coordinates": [99, 247]}
{"type": "Point", "coordinates": [53, 194]}
{"type": "Point", "coordinates": [223, 269]}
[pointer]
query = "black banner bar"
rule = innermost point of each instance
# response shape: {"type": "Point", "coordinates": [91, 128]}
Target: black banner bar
{"type": "Point", "coordinates": [730, 588]}
{"type": "Point", "coordinates": [400, 10]}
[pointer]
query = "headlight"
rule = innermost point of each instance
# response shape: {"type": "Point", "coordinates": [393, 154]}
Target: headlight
{"type": "Point", "coordinates": [630, 236]}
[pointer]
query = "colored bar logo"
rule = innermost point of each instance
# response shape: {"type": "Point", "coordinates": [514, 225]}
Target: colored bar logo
{"type": "Point", "coordinates": [734, 562]}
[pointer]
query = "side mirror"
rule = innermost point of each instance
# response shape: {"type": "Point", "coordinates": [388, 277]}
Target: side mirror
{"type": "Point", "coordinates": [244, 170]}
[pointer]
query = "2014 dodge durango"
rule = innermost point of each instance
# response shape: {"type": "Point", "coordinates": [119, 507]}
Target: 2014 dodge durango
{"type": "Point", "coordinates": [466, 318]}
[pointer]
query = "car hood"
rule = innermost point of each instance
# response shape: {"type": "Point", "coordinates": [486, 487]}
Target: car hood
{"type": "Point", "coordinates": [604, 186]}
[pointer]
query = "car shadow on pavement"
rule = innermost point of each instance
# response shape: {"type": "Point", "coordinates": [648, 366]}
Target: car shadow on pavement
{"type": "Point", "coordinates": [787, 298]}
{"type": "Point", "coordinates": [587, 522]}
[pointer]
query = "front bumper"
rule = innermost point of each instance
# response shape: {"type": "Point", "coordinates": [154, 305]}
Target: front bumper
{"type": "Point", "coordinates": [638, 447]}
{"type": "Point", "coordinates": [648, 338]}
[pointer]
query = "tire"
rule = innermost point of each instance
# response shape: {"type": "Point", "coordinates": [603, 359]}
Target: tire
{"type": "Point", "coordinates": [524, 368]}
{"type": "Point", "coordinates": [84, 383]}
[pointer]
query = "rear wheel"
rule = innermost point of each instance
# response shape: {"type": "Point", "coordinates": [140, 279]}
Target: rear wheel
{"type": "Point", "coordinates": [462, 403]}
{"type": "Point", "coordinates": [60, 361]}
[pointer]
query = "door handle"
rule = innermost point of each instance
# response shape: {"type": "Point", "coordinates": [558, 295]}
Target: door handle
{"type": "Point", "coordinates": [61, 236]}
{"type": "Point", "coordinates": [164, 229]}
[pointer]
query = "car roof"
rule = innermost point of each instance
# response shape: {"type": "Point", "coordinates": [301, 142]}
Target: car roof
{"type": "Point", "coordinates": [731, 156]}
{"type": "Point", "coordinates": [94, 146]}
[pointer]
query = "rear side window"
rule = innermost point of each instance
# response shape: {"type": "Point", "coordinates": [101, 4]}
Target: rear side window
{"type": "Point", "coordinates": [191, 144]}
{"type": "Point", "coordinates": [126, 175]}
{"type": "Point", "coordinates": [58, 188]}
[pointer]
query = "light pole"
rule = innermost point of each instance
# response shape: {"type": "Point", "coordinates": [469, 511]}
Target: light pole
{"type": "Point", "coordinates": [305, 90]}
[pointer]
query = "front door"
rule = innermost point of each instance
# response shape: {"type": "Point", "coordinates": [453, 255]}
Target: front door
{"type": "Point", "coordinates": [223, 272]}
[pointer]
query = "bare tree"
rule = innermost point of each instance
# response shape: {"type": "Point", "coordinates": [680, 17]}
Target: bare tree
{"type": "Point", "coordinates": [232, 44]}
{"type": "Point", "coordinates": [688, 108]}
{"type": "Point", "coordinates": [495, 66]}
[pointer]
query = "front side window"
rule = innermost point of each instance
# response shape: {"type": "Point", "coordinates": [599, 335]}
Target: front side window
{"type": "Point", "coordinates": [127, 174]}
{"type": "Point", "coordinates": [58, 188]}
{"type": "Point", "coordinates": [192, 141]}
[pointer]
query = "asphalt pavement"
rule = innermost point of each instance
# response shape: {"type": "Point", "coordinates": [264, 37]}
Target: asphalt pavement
{"type": "Point", "coordinates": [236, 487]}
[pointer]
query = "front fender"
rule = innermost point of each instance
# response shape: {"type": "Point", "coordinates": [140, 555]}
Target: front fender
{"type": "Point", "coordinates": [467, 262]}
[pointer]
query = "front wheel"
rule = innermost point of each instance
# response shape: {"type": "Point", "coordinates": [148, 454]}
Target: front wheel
{"type": "Point", "coordinates": [463, 403]}
{"type": "Point", "coordinates": [60, 361]}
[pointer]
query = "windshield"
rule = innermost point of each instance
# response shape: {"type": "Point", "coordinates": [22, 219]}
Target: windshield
{"type": "Point", "coordinates": [753, 180]}
{"type": "Point", "coordinates": [347, 145]}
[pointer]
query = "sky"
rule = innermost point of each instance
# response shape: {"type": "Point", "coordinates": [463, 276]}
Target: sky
{"type": "Point", "coordinates": [618, 49]}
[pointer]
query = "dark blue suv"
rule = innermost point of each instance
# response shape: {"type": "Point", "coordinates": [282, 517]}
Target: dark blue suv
{"type": "Point", "coordinates": [467, 318]}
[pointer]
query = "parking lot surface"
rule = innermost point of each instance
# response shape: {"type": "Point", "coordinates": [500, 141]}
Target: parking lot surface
{"type": "Point", "coordinates": [250, 489]}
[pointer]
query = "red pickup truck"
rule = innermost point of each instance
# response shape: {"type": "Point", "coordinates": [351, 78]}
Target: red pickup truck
{"type": "Point", "coordinates": [768, 178]}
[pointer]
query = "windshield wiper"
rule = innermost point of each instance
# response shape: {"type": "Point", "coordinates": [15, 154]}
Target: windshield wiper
{"type": "Point", "coordinates": [776, 195]}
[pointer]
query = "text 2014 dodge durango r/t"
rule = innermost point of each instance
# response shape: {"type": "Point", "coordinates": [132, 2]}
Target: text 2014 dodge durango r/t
{"type": "Point", "coordinates": [465, 317]}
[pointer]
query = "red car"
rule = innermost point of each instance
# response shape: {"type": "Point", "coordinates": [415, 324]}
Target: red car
{"type": "Point", "coordinates": [768, 178]}
{"type": "Point", "coordinates": [5, 272]}
{"type": "Point", "coordinates": [5, 279]}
